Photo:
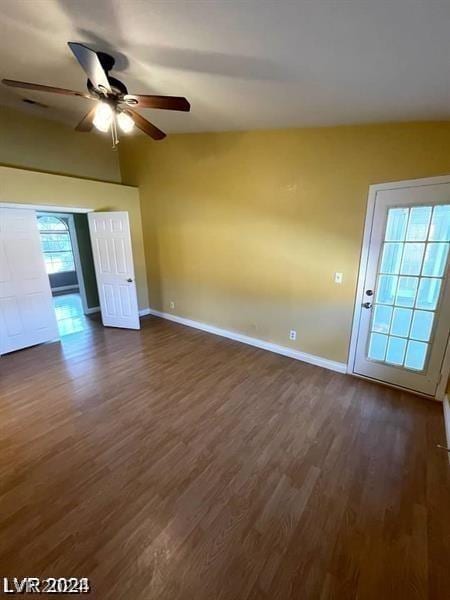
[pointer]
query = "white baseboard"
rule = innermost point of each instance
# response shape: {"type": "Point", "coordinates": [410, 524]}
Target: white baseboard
{"type": "Point", "coordinates": [446, 404]}
{"type": "Point", "coordinates": [245, 339]}
{"type": "Point", "coordinates": [94, 309]}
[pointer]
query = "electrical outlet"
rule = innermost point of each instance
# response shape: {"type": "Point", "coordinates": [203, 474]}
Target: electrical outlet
{"type": "Point", "coordinates": [292, 334]}
{"type": "Point", "coordinates": [171, 304]}
{"type": "Point", "coordinates": [338, 277]}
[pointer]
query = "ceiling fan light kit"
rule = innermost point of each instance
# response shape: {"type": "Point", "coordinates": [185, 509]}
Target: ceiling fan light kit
{"type": "Point", "coordinates": [125, 122]}
{"type": "Point", "coordinates": [115, 107]}
{"type": "Point", "coordinates": [103, 116]}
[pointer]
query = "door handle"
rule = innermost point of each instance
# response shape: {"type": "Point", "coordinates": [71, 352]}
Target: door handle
{"type": "Point", "coordinates": [129, 280]}
{"type": "Point", "coordinates": [367, 304]}
{"type": "Point", "coordinates": [443, 447]}
{"type": "Point", "coordinates": [369, 292]}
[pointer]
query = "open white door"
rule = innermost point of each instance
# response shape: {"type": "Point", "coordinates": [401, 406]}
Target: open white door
{"type": "Point", "coordinates": [27, 316]}
{"type": "Point", "coordinates": [114, 268]}
{"type": "Point", "coordinates": [402, 318]}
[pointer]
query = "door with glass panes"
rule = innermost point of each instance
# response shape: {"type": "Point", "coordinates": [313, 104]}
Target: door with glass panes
{"type": "Point", "coordinates": [405, 301]}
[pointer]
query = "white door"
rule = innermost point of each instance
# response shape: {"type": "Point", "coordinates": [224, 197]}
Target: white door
{"type": "Point", "coordinates": [114, 268]}
{"type": "Point", "coordinates": [27, 316]}
{"type": "Point", "coordinates": [404, 315]}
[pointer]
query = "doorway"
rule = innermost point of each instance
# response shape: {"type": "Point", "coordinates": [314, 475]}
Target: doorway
{"type": "Point", "coordinates": [27, 311]}
{"type": "Point", "coordinates": [402, 313]}
{"type": "Point", "coordinates": [68, 260]}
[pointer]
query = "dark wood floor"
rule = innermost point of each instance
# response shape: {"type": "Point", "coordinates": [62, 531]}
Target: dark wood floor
{"type": "Point", "coordinates": [173, 464]}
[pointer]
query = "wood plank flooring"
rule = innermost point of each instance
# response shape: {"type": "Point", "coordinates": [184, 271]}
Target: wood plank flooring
{"type": "Point", "coordinates": [173, 464]}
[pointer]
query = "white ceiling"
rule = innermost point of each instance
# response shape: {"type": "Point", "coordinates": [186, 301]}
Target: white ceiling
{"type": "Point", "coordinates": [243, 64]}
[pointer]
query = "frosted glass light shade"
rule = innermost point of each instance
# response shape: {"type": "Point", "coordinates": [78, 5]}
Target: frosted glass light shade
{"type": "Point", "coordinates": [125, 122]}
{"type": "Point", "coordinates": [103, 116]}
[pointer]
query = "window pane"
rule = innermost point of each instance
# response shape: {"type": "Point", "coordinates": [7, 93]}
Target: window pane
{"type": "Point", "coordinates": [440, 224]}
{"type": "Point", "coordinates": [51, 224]}
{"type": "Point", "coordinates": [421, 325]}
{"type": "Point", "coordinates": [59, 262]}
{"type": "Point", "coordinates": [419, 220]}
{"type": "Point", "coordinates": [396, 224]}
{"type": "Point", "coordinates": [67, 263]}
{"type": "Point", "coordinates": [435, 260]}
{"type": "Point", "coordinates": [382, 318]}
{"type": "Point", "coordinates": [428, 295]}
{"type": "Point", "coordinates": [401, 322]}
{"type": "Point", "coordinates": [387, 286]}
{"type": "Point", "coordinates": [377, 346]}
{"type": "Point", "coordinates": [54, 242]}
{"type": "Point", "coordinates": [396, 351]}
{"type": "Point", "coordinates": [406, 292]}
{"type": "Point", "coordinates": [415, 355]}
{"type": "Point", "coordinates": [412, 259]}
{"type": "Point", "coordinates": [392, 256]}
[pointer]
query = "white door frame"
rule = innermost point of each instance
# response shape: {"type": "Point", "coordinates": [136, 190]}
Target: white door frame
{"type": "Point", "coordinates": [373, 189]}
{"type": "Point", "coordinates": [47, 207]}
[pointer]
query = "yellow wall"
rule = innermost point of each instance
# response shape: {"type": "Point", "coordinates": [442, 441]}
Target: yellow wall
{"type": "Point", "coordinates": [43, 145]}
{"type": "Point", "coordinates": [245, 230]}
{"type": "Point", "coordinates": [28, 187]}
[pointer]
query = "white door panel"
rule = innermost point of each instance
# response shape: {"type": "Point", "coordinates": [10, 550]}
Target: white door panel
{"type": "Point", "coordinates": [113, 260]}
{"type": "Point", "coordinates": [27, 316]}
{"type": "Point", "coordinates": [405, 317]}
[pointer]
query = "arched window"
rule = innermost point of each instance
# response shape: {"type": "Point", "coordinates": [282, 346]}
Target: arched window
{"type": "Point", "coordinates": [56, 244]}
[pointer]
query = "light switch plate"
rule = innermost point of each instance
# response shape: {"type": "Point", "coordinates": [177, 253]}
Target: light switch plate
{"type": "Point", "coordinates": [338, 277]}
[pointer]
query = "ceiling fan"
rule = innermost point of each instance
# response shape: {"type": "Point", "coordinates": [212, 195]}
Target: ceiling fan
{"type": "Point", "coordinates": [114, 105]}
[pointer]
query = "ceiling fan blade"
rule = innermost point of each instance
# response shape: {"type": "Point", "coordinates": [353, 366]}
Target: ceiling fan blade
{"type": "Point", "coordinates": [87, 122]}
{"type": "Point", "coordinates": [164, 102]}
{"type": "Point", "coordinates": [91, 65]}
{"type": "Point", "coordinates": [43, 88]}
{"type": "Point", "coordinates": [145, 125]}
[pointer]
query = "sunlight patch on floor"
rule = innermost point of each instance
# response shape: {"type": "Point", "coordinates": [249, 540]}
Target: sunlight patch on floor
{"type": "Point", "coordinates": [69, 314]}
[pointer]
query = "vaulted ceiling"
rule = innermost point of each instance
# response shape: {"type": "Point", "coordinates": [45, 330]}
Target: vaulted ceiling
{"type": "Point", "coordinates": [243, 64]}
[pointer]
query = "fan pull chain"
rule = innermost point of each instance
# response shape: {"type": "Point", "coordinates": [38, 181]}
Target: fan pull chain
{"type": "Point", "coordinates": [115, 137]}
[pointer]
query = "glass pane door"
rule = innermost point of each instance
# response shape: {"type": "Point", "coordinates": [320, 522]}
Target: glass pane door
{"type": "Point", "coordinates": [409, 281]}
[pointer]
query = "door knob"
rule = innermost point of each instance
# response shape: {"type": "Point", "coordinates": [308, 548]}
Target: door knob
{"type": "Point", "coordinates": [129, 280]}
{"type": "Point", "coordinates": [369, 292]}
{"type": "Point", "coordinates": [367, 304]}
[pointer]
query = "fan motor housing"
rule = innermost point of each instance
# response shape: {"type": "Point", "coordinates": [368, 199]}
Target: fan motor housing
{"type": "Point", "coordinates": [107, 61]}
{"type": "Point", "coordinates": [118, 88]}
